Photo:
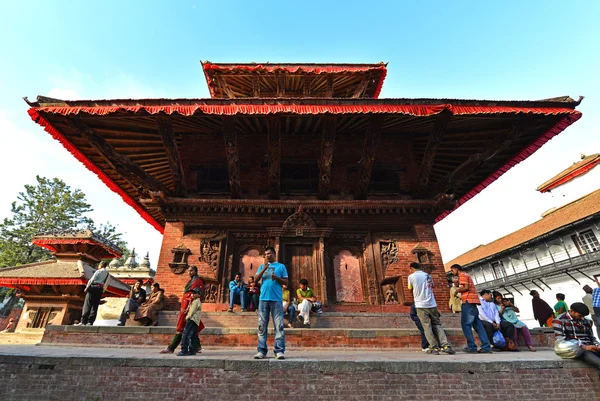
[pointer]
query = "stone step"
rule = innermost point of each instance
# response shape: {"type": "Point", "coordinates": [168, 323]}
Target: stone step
{"type": "Point", "coordinates": [24, 336]}
{"type": "Point", "coordinates": [349, 320]}
{"type": "Point", "coordinates": [246, 337]}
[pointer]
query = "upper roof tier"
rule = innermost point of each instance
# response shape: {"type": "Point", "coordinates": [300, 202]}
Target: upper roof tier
{"type": "Point", "coordinates": [264, 80]}
{"type": "Point", "coordinates": [581, 167]}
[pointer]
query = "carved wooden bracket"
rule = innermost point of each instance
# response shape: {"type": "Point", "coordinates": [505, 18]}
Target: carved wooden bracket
{"type": "Point", "coordinates": [233, 161]}
{"type": "Point", "coordinates": [368, 156]}
{"type": "Point", "coordinates": [326, 161]}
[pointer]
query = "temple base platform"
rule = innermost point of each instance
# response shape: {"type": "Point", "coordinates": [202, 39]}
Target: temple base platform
{"type": "Point", "coordinates": [328, 330]}
{"type": "Point", "coordinates": [65, 373]}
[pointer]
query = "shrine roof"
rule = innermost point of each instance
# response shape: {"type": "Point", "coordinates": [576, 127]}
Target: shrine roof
{"type": "Point", "coordinates": [573, 212]}
{"type": "Point", "coordinates": [581, 167]}
{"type": "Point", "coordinates": [126, 143]}
{"type": "Point", "coordinates": [105, 249]}
{"type": "Point", "coordinates": [264, 80]}
{"type": "Point", "coordinates": [53, 272]}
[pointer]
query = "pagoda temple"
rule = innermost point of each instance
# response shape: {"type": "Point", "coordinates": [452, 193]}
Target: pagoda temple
{"type": "Point", "coordinates": [53, 289]}
{"type": "Point", "coordinates": [308, 159]}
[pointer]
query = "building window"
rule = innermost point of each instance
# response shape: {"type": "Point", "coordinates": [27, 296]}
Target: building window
{"type": "Point", "coordinates": [498, 269]}
{"type": "Point", "coordinates": [299, 177]}
{"type": "Point", "coordinates": [586, 242]}
{"type": "Point", "coordinates": [212, 179]}
{"type": "Point", "coordinates": [384, 180]}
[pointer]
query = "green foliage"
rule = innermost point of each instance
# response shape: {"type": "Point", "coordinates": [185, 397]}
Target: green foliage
{"type": "Point", "coordinates": [50, 205]}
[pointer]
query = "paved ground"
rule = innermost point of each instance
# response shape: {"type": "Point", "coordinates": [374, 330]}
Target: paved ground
{"type": "Point", "coordinates": [312, 354]}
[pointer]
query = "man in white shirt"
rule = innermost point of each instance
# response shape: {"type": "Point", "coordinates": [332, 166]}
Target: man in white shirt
{"type": "Point", "coordinates": [94, 289]}
{"type": "Point", "coordinates": [421, 285]}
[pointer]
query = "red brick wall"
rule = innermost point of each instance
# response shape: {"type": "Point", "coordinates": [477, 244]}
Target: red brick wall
{"type": "Point", "coordinates": [51, 378]}
{"type": "Point", "coordinates": [15, 313]}
{"type": "Point", "coordinates": [173, 284]}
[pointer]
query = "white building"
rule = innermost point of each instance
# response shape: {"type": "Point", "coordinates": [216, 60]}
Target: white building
{"type": "Point", "coordinates": [560, 253]}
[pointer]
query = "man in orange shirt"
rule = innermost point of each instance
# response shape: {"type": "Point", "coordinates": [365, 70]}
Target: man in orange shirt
{"type": "Point", "coordinates": [469, 318]}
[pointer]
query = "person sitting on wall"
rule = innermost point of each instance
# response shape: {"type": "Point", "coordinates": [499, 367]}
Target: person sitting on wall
{"type": "Point", "coordinates": [306, 297]}
{"type": "Point", "coordinates": [288, 307]}
{"type": "Point", "coordinates": [136, 297]}
{"type": "Point", "coordinates": [508, 312]}
{"type": "Point", "coordinates": [573, 327]}
{"type": "Point", "coordinates": [542, 312]}
{"type": "Point", "coordinates": [237, 290]}
{"type": "Point", "coordinates": [490, 318]}
{"type": "Point", "coordinates": [194, 283]}
{"type": "Point", "coordinates": [253, 290]}
{"type": "Point", "coordinates": [147, 311]}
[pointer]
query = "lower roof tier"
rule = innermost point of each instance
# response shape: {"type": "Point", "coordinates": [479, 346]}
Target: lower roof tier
{"type": "Point", "coordinates": [300, 149]}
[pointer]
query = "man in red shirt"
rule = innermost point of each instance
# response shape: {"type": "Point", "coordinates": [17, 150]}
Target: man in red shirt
{"type": "Point", "coordinates": [469, 315]}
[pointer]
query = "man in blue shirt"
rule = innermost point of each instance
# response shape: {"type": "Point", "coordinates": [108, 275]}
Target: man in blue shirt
{"type": "Point", "coordinates": [237, 288]}
{"type": "Point", "coordinates": [274, 275]}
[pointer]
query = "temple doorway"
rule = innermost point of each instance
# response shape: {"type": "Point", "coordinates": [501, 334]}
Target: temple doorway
{"type": "Point", "coordinates": [299, 261]}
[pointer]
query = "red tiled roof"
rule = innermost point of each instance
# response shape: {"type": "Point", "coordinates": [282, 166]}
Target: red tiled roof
{"type": "Point", "coordinates": [577, 169]}
{"type": "Point", "coordinates": [570, 213]}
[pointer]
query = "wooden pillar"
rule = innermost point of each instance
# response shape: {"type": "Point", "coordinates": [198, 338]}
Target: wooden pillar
{"type": "Point", "coordinates": [233, 161]}
{"type": "Point", "coordinates": [326, 161]}
{"type": "Point", "coordinates": [321, 270]}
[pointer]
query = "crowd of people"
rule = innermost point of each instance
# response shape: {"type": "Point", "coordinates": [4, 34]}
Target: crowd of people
{"type": "Point", "coordinates": [486, 312]}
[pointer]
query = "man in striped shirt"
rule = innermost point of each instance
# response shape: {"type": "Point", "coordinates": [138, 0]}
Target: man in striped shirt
{"type": "Point", "coordinates": [573, 325]}
{"type": "Point", "coordinates": [469, 318]}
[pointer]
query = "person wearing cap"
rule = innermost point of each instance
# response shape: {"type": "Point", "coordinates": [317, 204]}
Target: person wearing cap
{"type": "Point", "coordinates": [573, 325]}
{"type": "Point", "coordinates": [192, 320]}
{"type": "Point", "coordinates": [469, 314]}
{"type": "Point", "coordinates": [421, 285]}
{"type": "Point", "coordinates": [94, 289]}
{"type": "Point", "coordinates": [588, 300]}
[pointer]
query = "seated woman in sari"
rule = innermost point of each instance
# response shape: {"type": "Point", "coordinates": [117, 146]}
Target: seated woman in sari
{"type": "Point", "coordinates": [146, 313]}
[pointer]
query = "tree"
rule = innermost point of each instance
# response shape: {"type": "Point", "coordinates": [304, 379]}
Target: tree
{"type": "Point", "coordinates": [50, 205]}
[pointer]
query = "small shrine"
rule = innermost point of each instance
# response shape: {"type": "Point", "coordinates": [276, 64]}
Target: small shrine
{"type": "Point", "coordinates": [53, 289]}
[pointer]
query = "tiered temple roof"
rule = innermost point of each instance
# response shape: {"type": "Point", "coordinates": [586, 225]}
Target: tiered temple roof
{"type": "Point", "coordinates": [280, 136]}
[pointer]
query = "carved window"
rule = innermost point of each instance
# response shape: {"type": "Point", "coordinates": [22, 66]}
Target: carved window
{"type": "Point", "coordinates": [299, 177]}
{"type": "Point", "coordinates": [212, 179]}
{"type": "Point", "coordinates": [384, 180]}
{"type": "Point", "coordinates": [586, 242]}
{"type": "Point", "coordinates": [180, 259]}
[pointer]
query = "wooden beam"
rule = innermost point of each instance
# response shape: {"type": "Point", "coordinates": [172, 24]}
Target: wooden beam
{"type": "Point", "coordinates": [327, 145]}
{"type": "Point", "coordinates": [255, 86]}
{"type": "Point", "coordinates": [121, 163]}
{"type": "Point", "coordinates": [435, 138]}
{"type": "Point", "coordinates": [224, 87]}
{"type": "Point", "coordinates": [280, 80]}
{"type": "Point", "coordinates": [466, 168]}
{"type": "Point", "coordinates": [307, 81]}
{"type": "Point", "coordinates": [361, 89]}
{"type": "Point", "coordinates": [329, 90]}
{"type": "Point", "coordinates": [274, 156]}
{"type": "Point", "coordinates": [368, 157]}
{"type": "Point", "coordinates": [233, 161]}
{"type": "Point", "coordinates": [165, 130]}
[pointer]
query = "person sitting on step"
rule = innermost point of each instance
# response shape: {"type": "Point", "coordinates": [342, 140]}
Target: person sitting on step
{"type": "Point", "coordinates": [306, 297]}
{"type": "Point", "coordinates": [237, 289]}
{"type": "Point", "coordinates": [253, 290]}
{"type": "Point", "coordinates": [137, 296]}
{"type": "Point", "coordinates": [288, 307]}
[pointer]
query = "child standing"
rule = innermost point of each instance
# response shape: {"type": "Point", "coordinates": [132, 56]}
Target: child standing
{"type": "Point", "coordinates": [192, 319]}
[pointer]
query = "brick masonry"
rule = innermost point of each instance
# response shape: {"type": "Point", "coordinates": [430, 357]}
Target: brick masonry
{"type": "Point", "coordinates": [124, 378]}
{"type": "Point", "coordinates": [247, 337]}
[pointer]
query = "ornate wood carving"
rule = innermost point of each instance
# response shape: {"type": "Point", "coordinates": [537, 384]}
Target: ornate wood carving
{"type": "Point", "coordinates": [274, 156]}
{"type": "Point", "coordinates": [165, 130]}
{"type": "Point", "coordinates": [307, 83]}
{"type": "Point", "coordinates": [389, 253]}
{"type": "Point", "coordinates": [233, 161]}
{"type": "Point", "coordinates": [255, 86]}
{"type": "Point", "coordinates": [280, 85]}
{"type": "Point", "coordinates": [211, 294]}
{"type": "Point", "coordinates": [366, 163]}
{"type": "Point", "coordinates": [327, 144]}
{"type": "Point", "coordinates": [462, 172]}
{"type": "Point", "coordinates": [209, 253]}
{"type": "Point", "coordinates": [180, 259]}
{"type": "Point", "coordinates": [390, 295]}
{"type": "Point", "coordinates": [121, 163]}
{"type": "Point", "coordinates": [435, 138]}
{"type": "Point", "coordinates": [329, 89]}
